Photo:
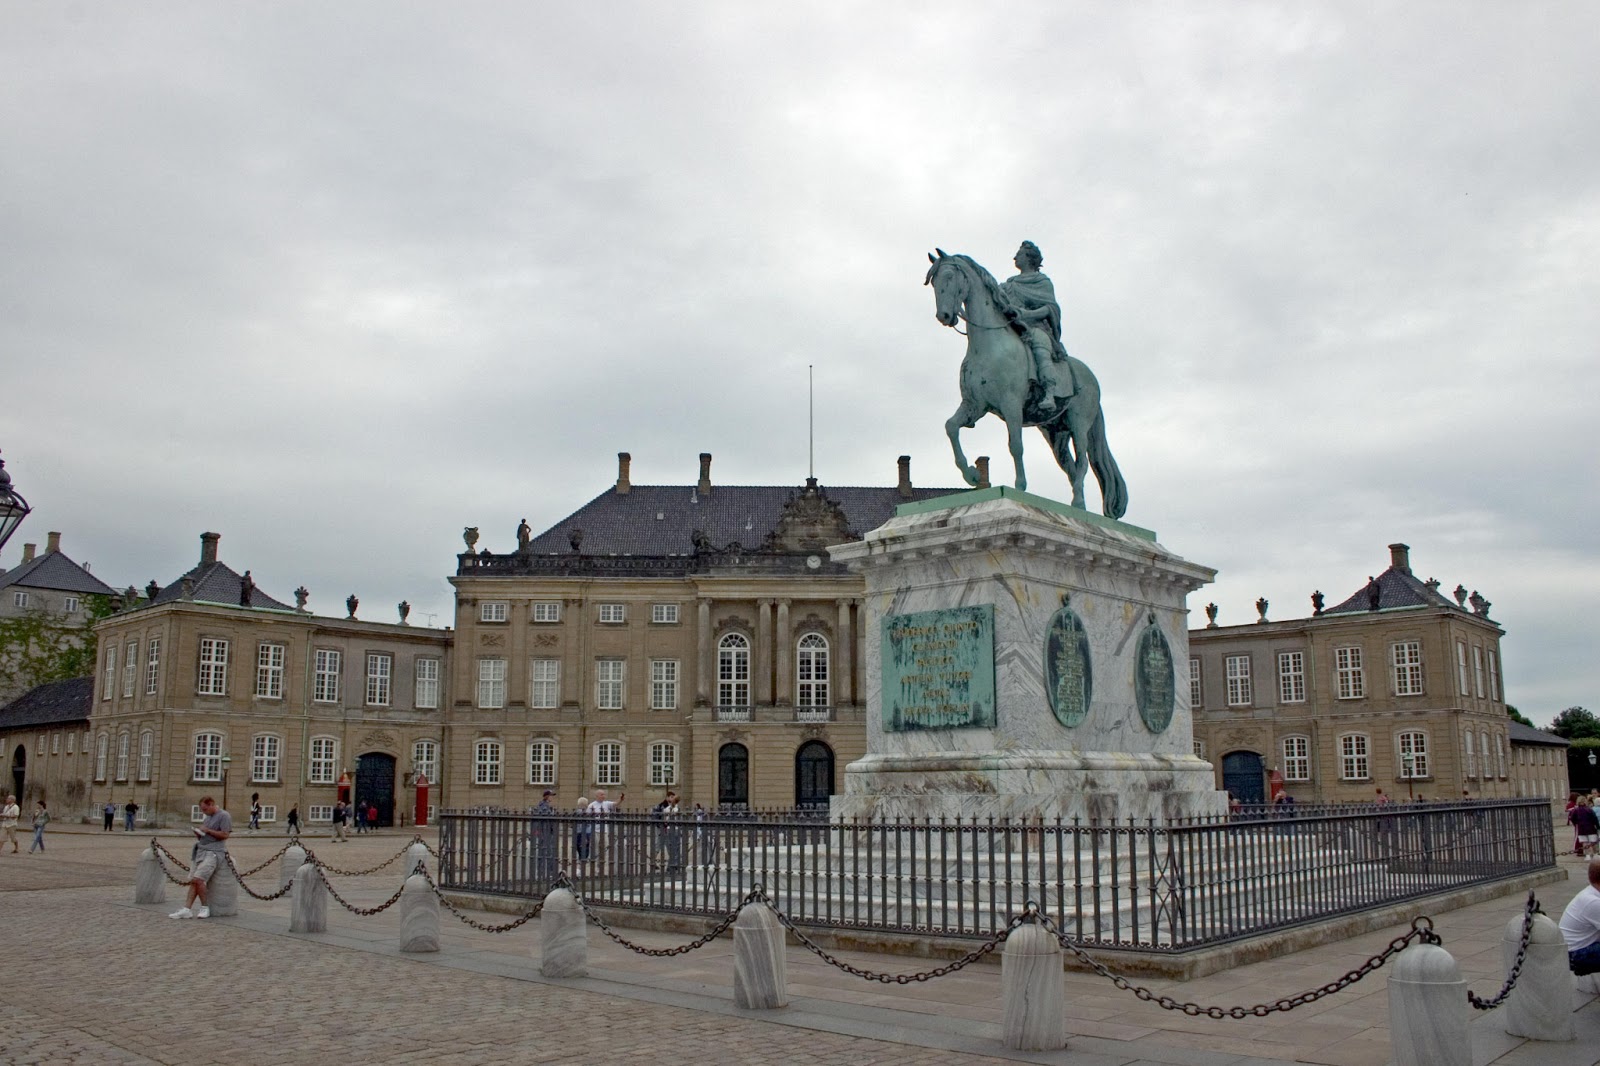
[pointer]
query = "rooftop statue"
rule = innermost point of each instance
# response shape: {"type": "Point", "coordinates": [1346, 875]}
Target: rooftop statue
{"type": "Point", "coordinates": [1016, 368]}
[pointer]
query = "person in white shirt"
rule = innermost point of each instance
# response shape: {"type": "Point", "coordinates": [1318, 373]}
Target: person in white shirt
{"type": "Point", "coordinates": [8, 821]}
{"type": "Point", "coordinates": [1580, 925]}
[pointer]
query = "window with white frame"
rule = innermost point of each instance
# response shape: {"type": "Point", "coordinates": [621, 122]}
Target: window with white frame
{"type": "Point", "coordinates": [269, 671]}
{"type": "Point", "coordinates": [152, 666]}
{"type": "Point", "coordinates": [1199, 747]}
{"type": "Point", "coordinates": [1194, 684]}
{"type": "Point", "coordinates": [547, 611]}
{"type": "Point", "coordinates": [1406, 659]}
{"type": "Point", "coordinates": [608, 684]}
{"type": "Point", "coordinates": [213, 680]}
{"type": "Point", "coordinates": [1238, 671]}
{"type": "Point", "coordinates": [1349, 677]}
{"type": "Point", "coordinates": [1477, 673]}
{"type": "Point", "coordinates": [102, 746]}
{"type": "Point", "coordinates": [1488, 763]}
{"type": "Point", "coordinates": [1469, 754]}
{"type": "Point", "coordinates": [1494, 676]}
{"type": "Point", "coordinates": [19, 599]}
{"type": "Point", "coordinates": [663, 684]}
{"type": "Point", "coordinates": [55, 743]}
{"type": "Point", "coordinates": [492, 612]}
{"type": "Point", "coordinates": [542, 762]}
{"type": "Point", "coordinates": [318, 813]}
{"type": "Point", "coordinates": [425, 760]}
{"type": "Point", "coordinates": [486, 762]}
{"type": "Point", "coordinates": [380, 671]}
{"type": "Point", "coordinates": [1413, 748]}
{"type": "Point", "coordinates": [733, 671]}
{"type": "Point", "coordinates": [265, 756]}
{"type": "Point", "coordinates": [40, 745]}
{"type": "Point", "coordinates": [663, 763]}
{"type": "Point", "coordinates": [664, 614]}
{"type": "Point", "coordinates": [1500, 755]}
{"type": "Point", "coordinates": [1291, 677]}
{"type": "Point", "coordinates": [325, 680]}
{"type": "Point", "coordinates": [1461, 666]}
{"type": "Point", "coordinates": [108, 689]}
{"type": "Point", "coordinates": [544, 684]}
{"type": "Point", "coordinates": [613, 613]}
{"type": "Point", "coordinates": [427, 690]}
{"type": "Point", "coordinates": [1354, 757]}
{"type": "Point", "coordinates": [324, 760]}
{"type": "Point", "coordinates": [196, 814]}
{"type": "Point", "coordinates": [1297, 758]}
{"type": "Point", "coordinates": [72, 740]}
{"type": "Point", "coordinates": [147, 753]}
{"type": "Point", "coordinates": [69, 605]}
{"type": "Point", "coordinates": [130, 668]}
{"type": "Point", "coordinates": [608, 763]}
{"type": "Point", "coordinates": [269, 812]}
{"type": "Point", "coordinates": [811, 671]}
{"type": "Point", "coordinates": [124, 745]}
{"type": "Point", "coordinates": [207, 757]}
{"type": "Point", "coordinates": [491, 683]}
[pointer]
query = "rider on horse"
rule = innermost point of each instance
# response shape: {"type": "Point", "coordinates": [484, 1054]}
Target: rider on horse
{"type": "Point", "coordinates": [1034, 313]}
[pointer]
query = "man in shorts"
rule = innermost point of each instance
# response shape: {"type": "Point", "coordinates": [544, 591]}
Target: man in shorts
{"type": "Point", "coordinates": [1580, 926]}
{"type": "Point", "coordinates": [210, 851]}
{"type": "Point", "coordinates": [8, 822]}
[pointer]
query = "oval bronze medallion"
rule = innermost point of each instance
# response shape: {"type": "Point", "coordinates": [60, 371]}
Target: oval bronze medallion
{"type": "Point", "coordinates": [1067, 674]}
{"type": "Point", "coordinates": [1154, 687]}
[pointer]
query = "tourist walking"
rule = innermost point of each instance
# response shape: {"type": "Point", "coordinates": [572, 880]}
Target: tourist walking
{"type": "Point", "coordinates": [1587, 824]}
{"type": "Point", "coordinates": [130, 815]}
{"type": "Point", "coordinates": [340, 812]}
{"type": "Point", "coordinates": [8, 822]}
{"type": "Point", "coordinates": [294, 820]}
{"type": "Point", "coordinates": [372, 817]}
{"type": "Point", "coordinates": [210, 852]}
{"type": "Point", "coordinates": [361, 817]}
{"type": "Point", "coordinates": [255, 810]}
{"type": "Point", "coordinates": [110, 812]}
{"type": "Point", "coordinates": [41, 818]}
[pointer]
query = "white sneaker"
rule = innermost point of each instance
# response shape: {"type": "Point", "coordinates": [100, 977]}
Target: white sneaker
{"type": "Point", "coordinates": [203, 912]}
{"type": "Point", "coordinates": [182, 912]}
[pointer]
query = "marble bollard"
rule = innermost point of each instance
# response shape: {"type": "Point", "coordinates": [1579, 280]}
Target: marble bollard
{"type": "Point", "coordinates": [222, 891]}
{"type": "Point", "coordinates": [566, 936]}
{"type": "Point", "coordinates": [419, 916]}
{"type": "Point", "coordinates": [1033, 988]}
{"type": "Point", "coordinates": [415, 854]}
{"type": "Point", "coordinates": [150, 884]}
{"type": "Point", "coordinates": [308, 902]}
{"type": "Point", "coordinates": [293, 858]}
{"type": "Point", "coordinates": [1540, 1007]}
{"type": "Point", "coordinates": [1428, 1010]}
{"type": "Point", "coordinates": [759, 982]}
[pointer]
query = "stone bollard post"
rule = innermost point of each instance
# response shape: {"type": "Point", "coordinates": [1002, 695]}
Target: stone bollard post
{"type": "Point", "coordinates": [1033, 987]}
{"type": "Point", "coordinates": [1428, 1010]}
{"type": "Point", "coordinates": [416, 853]}
{"type": "Point", "coordinates": [759, 981]}
{"type": "Point", "coordinates": [1540, 1007]}
{"type": "Point", "coordinates": [308, 902]}
{"type": "Point", "coordinates": [419, 916]}
{"type": "Point", "coordinates": [222, 893]}
{"type": "Point", "coordinates": [150, 886]}
{"type": "Point", "coordinates": [292, 860]}
{"type": "Point", "coordinates": [566, 936]}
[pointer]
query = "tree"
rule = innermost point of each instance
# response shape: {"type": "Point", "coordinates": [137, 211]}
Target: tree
{"type": "Point", "coordinates": [38, 646]}
{"type": "Point", "coordinates": [1517, 716]}
{"type": "Point", "coordinates": [1576, 723]}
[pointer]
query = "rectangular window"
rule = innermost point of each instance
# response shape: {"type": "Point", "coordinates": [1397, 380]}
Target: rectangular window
{"type": "Point", "coordinates": [1350, 677]}
{"type": "Point", "coordinates": [72, 740]}
{"type": "Point", "coordinates": [665, 614]}
{"type": "Point", "coordinates": [40, 745]}
{"type": "Point", "coordinates": [1296, 758]}
{"type": "Point", "coordinates": [380, 668]}
{"type": "Point", "coordinates": [1238, 669]}
{"type": "Point", "coordinates": [547, 611]}
{"type": "Point", "coordinates": [1413, 755]}
{"type": "Point", "coordinates": [124, 741]}
{"type": "Point", "coordinates": [1199, 747]}
{"type": "Point", "coordinates": [608, 684]}
{"type": "Point", "coordinates": [269, 812]}
{"type": "Point", "coordinates": [1477, 674]}
{"type": "Point", "coordinates": [608, 763]}
{"type": "Point", "coordinates": [1494, 676]}
{"type": "Point", "coordinates": [1461, 665]}
{"type": "Point", "coordinates": [492, 612]}
{"type": "Point", "coordinates": [663, 764]}
{"type": "Point", "coordinates": [130, 668]}
{"type": "Point", "coordinates": [1471, 757]}
{"type": "Point", "coordinates": [1291, 677]}
{"type": "Point", "coordinates": [69, 605]}
{"type": "Point", "coordinates": [1406, 658]}
{"type": "Point", "coordinates": [318, 813]}
{"type": "Point", "coordinates": [108, 689]}
{"type": "Point", "coordinates": [491, 683]}
{"type": "Point", "coordinates": [1500, 755]}
{"type": "Point", "coordinates": [269, 671]}
{"type": "Point", "coordinates": [1353, 757]}
{"type": "Point", "coordinates": [1194, 684]}
{"type": "Point", "coordinates": [613, 613]}
{"type": "Point", "coordinates": [425, 760]}
{"type": "Point", "coordinates": [486, 763]}
{"type": "Point", "coordinates": [264, 759]}
{"type": "Point", "coordinates": [324, 760]}
{"type": "Point", "coordinates": [147, 750]}
{"type": "Point", "coordinates": [19, 599]}
{"type": "Point", "coordinates": [213, 667]}
{"type": "Point", "coordinates": [542, 763]}
{"type": "Point", "coordinates": [207, 757]}
{"type": "Point", "coordinates": [544, 684]}
{"type": "Point", "coordinates": [152, 666]}
{"type": "Point", "coordinates": [427, 695]}
{"type": "Point", "coordinates": [325, 684]}
{"type": "Point", "coordinates": [55, 743]}
{"type": "Point", "coordinates": [663, 684]}
{"type": "Point", "coordinates": [102, 746]}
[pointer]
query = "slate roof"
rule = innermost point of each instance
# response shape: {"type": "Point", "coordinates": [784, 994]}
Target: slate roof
{"type": "Point", "coordinates": [661, 519]}
{"type": "Point", "coordinates": [52, 703]}
{"type": "Point", "coordinates": [217, 583]}
{"type": "Point", "coordinates": [1396, 588]}
{"type": "Point", "coordinates": [54, 570]}
{"type": "Point", "coordinates": [1526, 734]}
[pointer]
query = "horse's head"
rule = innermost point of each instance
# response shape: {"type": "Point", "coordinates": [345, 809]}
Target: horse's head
{"type": "Point", "coordinates": [949, 283]}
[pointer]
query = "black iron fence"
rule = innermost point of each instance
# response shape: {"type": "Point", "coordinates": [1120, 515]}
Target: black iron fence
{"type": "Point", "coordinates": [1145, 887]}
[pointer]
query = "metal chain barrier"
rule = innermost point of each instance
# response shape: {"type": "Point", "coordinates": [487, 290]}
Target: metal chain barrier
{"type": "Point", "coordinates": [994, 941]}
{"type": "Point", "coordinates": [257, 869]}
{"type": "Point", "coordinates": [311, 856]}
{"type": "Point", "coordinates": [363, 912]}
{"type": "Point", "coordinates": [252, 893]}
{"type": "Point", "coordinates": [160, 849]}
{"type": "Point", "coordinates": [162, 857]}
{"type": "Point", "coordinates": [482, 927]}
{"type": "Point", "coordinates": [1516, 967]}
{"type": "Point", "coordinates": [682, 949]}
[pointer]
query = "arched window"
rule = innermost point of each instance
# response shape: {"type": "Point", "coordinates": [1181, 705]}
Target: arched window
{"type": "Point", "coordinates": [265, 757]}
{"type": "Point", "coordinates": [1488, 765]}
{"type": "Point", "coordinates": [207, 757]}
{"type": "Point", "coordinates": [1354, 750]}
{"type": "Point", "coordinates": [733, 671]}
{"type": "Point", "coordinates": [733, 776]}
{"type": "Point", "coordinates": [1297, 758]}
{"type": "Point", "coordinates": [124, 742]}
{"type": "Point", "coordinates": [811, 671]}
{"type": "Point", "coordinates": [324, 760]}
{"type": "Point", "coordinates": [1467, 749]}
{"type": "Point", "coordinates": [1413, 751]}
{"type": "Point", "coordinates": [663, 763]}
{"type": "Point", "coordinates": [542, 762]}
{"type": "Point", "coordinates": [608, 763]}
{"type": "Point", "coordinates": [425, 760]}
{"type": "Point", "coordinates": [102, 746]}
{"type": "Point", "coordinates": [813, 775]}
{"type": "Point", "coordinates": [486, 762]}
{"type": "Point", "coordinates": [147, 750]}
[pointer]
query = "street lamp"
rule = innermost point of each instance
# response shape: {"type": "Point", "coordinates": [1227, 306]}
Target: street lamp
{"type": "Point", "coordinates": [13, 508]}
{"type": "Point", "coordinates": [1408, 763]}
{"type": "Point", "coordinates": [226, 759]}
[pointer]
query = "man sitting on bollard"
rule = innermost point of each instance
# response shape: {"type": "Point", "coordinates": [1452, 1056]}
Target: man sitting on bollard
{"type": "Point", "coordinates": [1580, 925]}
{"type": "Point", "coordinates": [210, 851]}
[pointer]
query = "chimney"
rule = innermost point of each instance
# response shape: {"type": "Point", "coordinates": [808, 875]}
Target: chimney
{"type": "Point", "coordinates": [982, 463]}
{"type": "Point", "coordinates": [52, 542]}
{"type": "Point", "coordinates": [208, 548]}
{"type": "Point", "coordinates": [623, 485]}
{"type": "Point", "coordinates": [1400, 557]}
{"type": "Point", "coordinates": [27, 552]}
{"type": "Point", "coordinates": [904, 487]}
{"type": "Point", "coordinates": [705, 474]}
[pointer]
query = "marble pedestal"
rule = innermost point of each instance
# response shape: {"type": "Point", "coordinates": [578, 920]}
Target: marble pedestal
{"type": "Point", "coordinates": [1089, 716]}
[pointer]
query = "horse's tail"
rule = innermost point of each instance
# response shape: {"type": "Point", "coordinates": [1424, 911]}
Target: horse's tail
{"type": "Point", "coordinates": [1113, 490]}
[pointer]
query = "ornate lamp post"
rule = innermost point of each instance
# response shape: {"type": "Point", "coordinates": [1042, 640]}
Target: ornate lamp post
{"type": "Point", "coordinates": [226, 759]}
{"type": "Point", "coordinates": [13, 508]}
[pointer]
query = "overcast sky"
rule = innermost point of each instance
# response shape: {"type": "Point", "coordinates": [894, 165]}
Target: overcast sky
{"type": "Point", "coordinates": [338, 280]}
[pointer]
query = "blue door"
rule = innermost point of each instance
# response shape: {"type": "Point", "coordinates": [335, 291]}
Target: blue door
{"type": "Point", "coordinates": [1244, 776]}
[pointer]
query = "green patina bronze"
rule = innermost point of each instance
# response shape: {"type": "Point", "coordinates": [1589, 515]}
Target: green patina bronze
{"type": "Point", "coordinates": [1068, 676]}
{"type": "Point", "coordinates": [1004, 492]}
{"type": "Point", "coordinates": [938, 670]}
{"type": "Point", "coordinates": [1154, 682]}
